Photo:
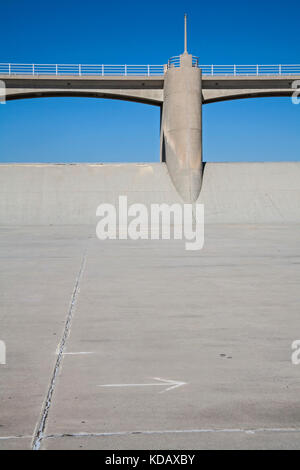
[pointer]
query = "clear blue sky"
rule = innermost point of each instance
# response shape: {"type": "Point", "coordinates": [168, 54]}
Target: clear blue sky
{"type": "Point", "coordinates": [135, 32]}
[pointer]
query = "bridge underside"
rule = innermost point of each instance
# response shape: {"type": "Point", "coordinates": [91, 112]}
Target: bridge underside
{"type": "Point", "coordinates": [152, 97]}
{"type": "Point", "coordinates": [226, 95]}
{"type": "Point", "coordinates": [147, 90]}
{"type": "Point", "coordinates": [230, 88]}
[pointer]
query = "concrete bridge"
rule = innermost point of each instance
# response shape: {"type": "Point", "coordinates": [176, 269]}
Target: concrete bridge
{"type": "Point", "coordinates": [129, 83]}
{"type": "Point", "coordinates": [178, 88]}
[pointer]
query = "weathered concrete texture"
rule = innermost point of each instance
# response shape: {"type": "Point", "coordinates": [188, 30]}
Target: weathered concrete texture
{"type": "Point", "coordinates": [43, 194]}
{"type": "Point", "coordinates": [16, 443]}
{"type": "Point", "coordinates": [70, 194]}
{"type": "Point", "coordinates": [174, 315]}
{"type": "Point", "coordinates": [222, 320]}
{"type": "Point", "coordinates": [181, 128]}
{"type": "Point", "coordinates": [38, 269]}
{"type": "Point", "coordinates": [257, 192]}
{"type": "Point", "coordinates": [181, 441]}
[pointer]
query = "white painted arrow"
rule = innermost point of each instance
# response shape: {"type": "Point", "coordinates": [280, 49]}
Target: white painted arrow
{"type": "Point", "coordinates": [171, 384]}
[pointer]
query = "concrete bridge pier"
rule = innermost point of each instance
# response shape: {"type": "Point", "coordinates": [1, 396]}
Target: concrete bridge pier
{"type": "Point", "coordinates": [181, 127]}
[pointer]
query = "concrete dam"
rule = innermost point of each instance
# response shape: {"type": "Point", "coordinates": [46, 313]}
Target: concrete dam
{"type": "Point", "coordinates": [141, 344]}
{"type": "Point", "coordinates": [68, 194]}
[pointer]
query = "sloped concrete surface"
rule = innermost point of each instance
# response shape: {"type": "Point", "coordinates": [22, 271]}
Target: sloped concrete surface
{"type": "Point", "coordinates": [257, 192]}
{"type": "Point", "coordinates": [64, 194]}
{"type": "Point", "coordinates": [77, 313]}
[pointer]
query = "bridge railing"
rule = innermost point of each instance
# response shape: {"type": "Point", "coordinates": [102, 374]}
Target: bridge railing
{"type": "Point", "coordinates": [81, 69]}
{"type": "Point", "coordinates": [143, 70]}
{"type": "Point", "coordinates": [175, 61]}
{"type": "Point", "coordinates": [250, 69]}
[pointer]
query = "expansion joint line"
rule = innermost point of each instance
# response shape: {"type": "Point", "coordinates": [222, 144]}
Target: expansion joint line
{"type": "Point", "coordinates": [39, 432]}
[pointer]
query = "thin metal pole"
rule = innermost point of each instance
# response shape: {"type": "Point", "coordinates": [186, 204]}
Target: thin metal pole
{"type": "Point", "coordinates": [185, 33]}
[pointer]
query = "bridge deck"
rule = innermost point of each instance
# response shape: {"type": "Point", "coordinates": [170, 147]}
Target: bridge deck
{"type": "Point", "coordinates": [145, 89]}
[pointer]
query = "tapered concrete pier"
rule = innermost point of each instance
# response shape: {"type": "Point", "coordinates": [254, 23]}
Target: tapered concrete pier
{"type": "Point", "coordinates": [181, 126]}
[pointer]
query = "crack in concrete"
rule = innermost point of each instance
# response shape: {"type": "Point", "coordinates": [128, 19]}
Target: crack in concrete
{"type": "Point", "coordinates": [39, 433]}
{"type": "Point", "coordinates": [175, 431]}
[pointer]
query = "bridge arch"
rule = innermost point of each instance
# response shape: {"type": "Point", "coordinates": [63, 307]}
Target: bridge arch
{"type": "Point", "coordinates": [146, 90]}
{"type": "Point", "coordinates": [238, 95]}
{"type": "Point", "coordinates": [132, 97]}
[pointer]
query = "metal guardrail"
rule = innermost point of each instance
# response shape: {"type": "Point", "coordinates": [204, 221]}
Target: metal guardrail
{"type": "Point", "coordinates": [239, 69]}
{"type": "Point", "coordinates": [144, 70]}
{"type": "Point", "coordinates": [250, 69]}
{"type": "Point", "coordinates": [175, 61]}
{"type": "Point", "coordinates": [81, 69]}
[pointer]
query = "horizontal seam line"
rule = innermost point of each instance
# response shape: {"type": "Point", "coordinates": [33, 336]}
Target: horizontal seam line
{"type": "Point", "coordinates": [184, 431]}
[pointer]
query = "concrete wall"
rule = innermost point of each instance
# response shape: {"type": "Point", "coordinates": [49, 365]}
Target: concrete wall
{"type": "Point", "coordinates": [70, 194]}
{"type": "Point", "coordinates": [45, 194]}
{"type": "Point", "coordinates": [256, 192]}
